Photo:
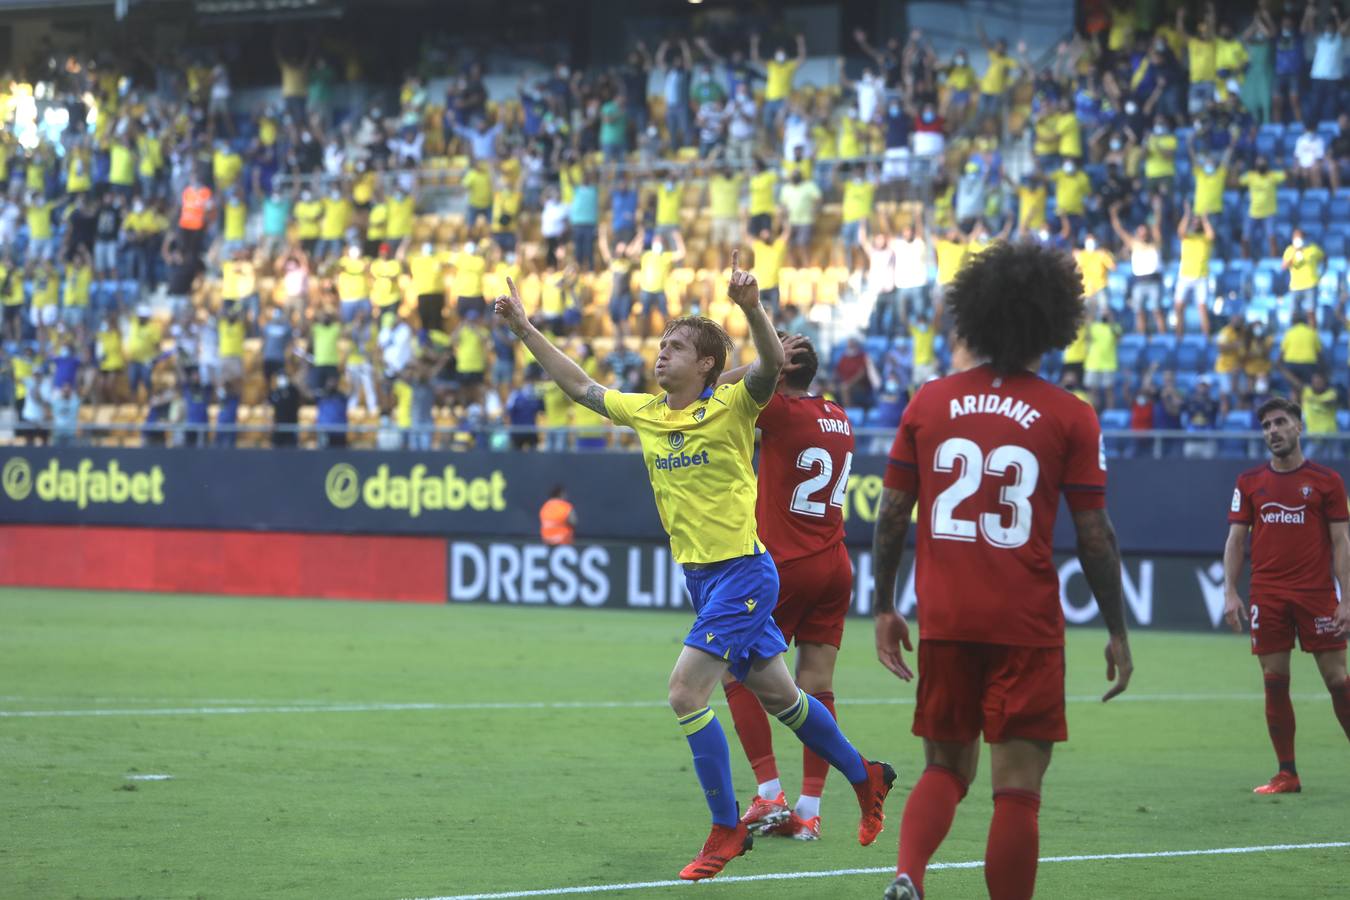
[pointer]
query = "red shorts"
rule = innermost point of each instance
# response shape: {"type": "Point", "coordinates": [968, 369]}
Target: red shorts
{"type": "Point", "coordinates": [814, 593]}
{"type": "Point", "coordinates": [1003, 691]}
{"type": "Point", "coordinates": [1275, 619]}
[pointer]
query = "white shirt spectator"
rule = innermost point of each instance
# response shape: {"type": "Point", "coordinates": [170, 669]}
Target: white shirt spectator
{"type": "Point", "coordinates": [396, 346]}
{"type": "Point", "coordinates": [65, 412]}
{"type": "Point", "coordinates": [911, 263]}
{"type": "Point", "coordinates": [870, 90]}
{"type": "Point", "coordinates": [208, 344]}
{"type": "Point", "coordinates": [796, 133]}
{"type": "Point", "coordinates": [881, 268]}
{"type": "Point", "coordinates": [553, 220]}
{"type": "Point", "coordinates": [710, 119]}
{"type": "Point", "coordinates": [741, 118]}
{"type": "Point", "coordinates": [220, 85]}
{"type": "Point", "coordinates": [1310, 149]}
{"type": "Point", "coordinates": [1329, 57]}
{"type": "Point", "coordinates": [670, 89]}
{"type": "Point", "coordinates": [928, 143]}
{"type": "Point", "coordinates": [1144, 259]}
{"type": "Point", "coordinates": [9, 223]}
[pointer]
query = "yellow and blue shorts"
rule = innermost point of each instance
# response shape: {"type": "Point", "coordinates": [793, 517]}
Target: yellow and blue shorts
{"type": "Point", "coordinates": [734, 600]}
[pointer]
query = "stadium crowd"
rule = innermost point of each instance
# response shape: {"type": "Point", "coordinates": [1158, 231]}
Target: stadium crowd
{"type": "Point", "coordinates": [168, 256]}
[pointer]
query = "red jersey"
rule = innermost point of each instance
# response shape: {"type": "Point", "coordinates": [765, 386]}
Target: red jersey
{"type": "Point", "coordinates": [1290, 514]}
{"type": "Point", "coordinates": [988, 456]}
{"type": "Point", "coordinates": [804, 461]}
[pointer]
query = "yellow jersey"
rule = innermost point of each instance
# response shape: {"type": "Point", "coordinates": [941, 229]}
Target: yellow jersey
{"type": "Point", "coordinates": [768, 262]}
{"type": "Point", "coordinates": [1094, 264]}
{"type": "Point", "coordinates": [351, 280]}
{"type": "Point", "coordinates": [505, 210]}
{"type": "Point", "coordinates": [78, 280]}
{"type": "Point", "coordinates": [401, 210]}
{"type": "Point", "coordinates": [557, 406]}
{"type": "Point", "coordinates": [236, 216]}
{"type": "Point", "coordinates": [995, 78]}
{"type": "Point", "coordinates": [1261, 200]}
{"type": "Point", "coordinates": [778, 80]}
{"type": "Point", "coordinates": [307, 215]}
{"type": "Point", "coordinates": [1209, 191]}
{"type": "Point", "coordinates": [668, 206]}
{"type": "Point", "coordinates": [763, 187]}
{"type": "Point", "coordinates": [1101, 350]}
{"type": "Point", "coordinates": [145, 338]}
{"type": "Point", "coordinates": [1070, 189]}
{"type": "Point", "coordinates": [655, 271]}
{"type": "Point", "coordinates": [1230, 351]}
{"type": "Point", "coordinates": [1194, 256]}
{"type": "Point", "coordinates": [121, 165]}
{"type": "Point", "coordinates": [1077, 350]}
{"type": "Point", "coordinates": [237, 280]}
{"type": "Point", "coordinates": [1030, 207]}
{"type": "Point", "coordinates": [1201, 57]}
{"type": "Point", "coordinates": [698, 460]}
{"type": "Point", "coordinates": [950, 256]}
{"type": "Point", "coordinates": [428, 273]}
{"type": "Point", "coordinates": [858, 197]}
{"type": "Point", "coordinates": [478, 185]}
{"type": "Point", "coordinates": [925, 339]}
{"type": "Point", "coordinates": [469, 271]}
{"type": "Point", "coordinates": [471, 352]}
{"type": "Point", "coordinates": [377, 224]}
{"type": "Point", "coordinates": [1070, 136]}
{"type": "Point", "coordinates": [1319, 410]}
{"type": "Point", "coordinates": [1161, 161]}
{"type": "Point", "coordinates": [336, 214]}
{"type": "Point", "coordinates": [1304, 266]}
{"type": "Point", "coordinates": [1300, 345]}
{"type": "Point", "coordinates": [384, 290]}
{"type": "Point", "coordinates": [724, 196]}
{"type": "Point", "coordinates": [110, 350]}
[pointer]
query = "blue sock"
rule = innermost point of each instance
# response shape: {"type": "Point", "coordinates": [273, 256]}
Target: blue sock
{"type": "Point", "coordinates": [817, 729]}
{"type": "Point", "coordinates": [712, 762]}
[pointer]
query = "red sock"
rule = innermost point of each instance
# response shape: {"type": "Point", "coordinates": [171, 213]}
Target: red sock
{"type": "Point", "coordinates": [814, 768]}
{"type": "Point", "coordinates": [752, 726]}
{"type": "Point", "coordinates": [1014, 841]}
{"type": "Point", "coordinates": [1280, 720]}
{"type": "Point", "coordinates": [928, 817]}
{"type": "Point", "coordinates": [1340, 701]}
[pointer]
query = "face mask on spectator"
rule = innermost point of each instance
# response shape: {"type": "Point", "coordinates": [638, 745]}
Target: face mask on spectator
{"type": "Point", "coordinates": [781, 56]}
{"type": "Point", "coordinates": [1069, 168]}
{"type": "Point", "coordinates": [928, 115]}
{"type": "Point", "coordinates": [894, 109]}
{"type": "Point", "coordinates": [1210, 168]}
{"type": "Point", "coordinates": [960, 59]}
{"type": "Point", "coordinates": [1043, 234]}
{"type": "Point", "coordinates": [1115, 143]}
{"type": "Point", "coordinates": [658, 247]}
{"type": "Point", "coordinates": [1160, 128]}
{"type": "Point", "coordinates": [283, 382]}
{"type": "Point", "coordinates": [1089, 244]}
{"type": "Point", "coordinates": [428, 249]}
{"type": "Point", "coordinates": [1131, 107]}
{"type": "Point", "coordinates": [1297, 241]}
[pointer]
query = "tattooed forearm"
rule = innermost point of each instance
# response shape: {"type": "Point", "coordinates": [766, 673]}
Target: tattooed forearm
{"type": "Point", "coordinates": [1100, 557]}
{"type": "Point", "coordinates": [759, 383]}
{"type": "Point", "coordinates": [888, 546]}
{"type": "Point", "coordinates": [593, 399]}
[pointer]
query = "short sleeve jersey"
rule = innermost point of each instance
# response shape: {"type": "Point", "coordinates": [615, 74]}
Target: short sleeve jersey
{"type": "Point", "coordinates": [699, 461]}
{"type": "Point", "coordinates": [988, 457]}
{"type": "Point", "coordinates": [804, 463]}
{"type": "Point", "coordinates": [1290, 514]}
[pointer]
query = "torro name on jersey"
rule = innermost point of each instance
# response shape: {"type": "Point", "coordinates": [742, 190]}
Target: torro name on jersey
{"type": "Point", "coordinates": [994, 404]}
{"type": "Point", "coordinates": [834, 426]}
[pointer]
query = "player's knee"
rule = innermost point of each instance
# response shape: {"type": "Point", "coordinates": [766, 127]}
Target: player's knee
{"type": "Point", "coordinates": [1334, 679]}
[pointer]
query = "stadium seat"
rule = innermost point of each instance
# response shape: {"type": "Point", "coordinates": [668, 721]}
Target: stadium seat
{"type": "Point", "coordinates": [1160, 351]}
{"type": "Point", "coordinates": [1322, 195]}
{"type": "Point", "coordinates": [1286, 198]}
{"type": "Point", "coordinates": [1336, 243]}
{"type": "Point", "coordinates": [1340, 355]}
{"type": "Point", "coordinates": [1267, 144]}
{"type": "Point", "coordinates": [1338, 210]}
{"type": "Point", "coordinates": [1190, 353]}
{"type": "Point", "coordinates": [855, 413]}
{"type": "Point", "coordinates": [1129, 350]}
{"type": "Point", "coordinates": [1311, 210]}
{"type": "Point", "coordinates": [1343, 420]}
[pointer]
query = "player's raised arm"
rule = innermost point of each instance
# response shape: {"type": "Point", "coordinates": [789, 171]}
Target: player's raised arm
{"type": "Point", "coordinates": [888, 546]}
{"type": "Point", "coordinates": [1234, 610]}
{"type": "Point", "coordinates": [563, 371]}
{"type": "Point", "coordinates": [1100, 557]}
{"type": "Point", "coordinates": [762, 378]}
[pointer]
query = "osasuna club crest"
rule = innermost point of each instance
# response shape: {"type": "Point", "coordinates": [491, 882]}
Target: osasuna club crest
{"type": "Point", "coordinates": [1306, 491]}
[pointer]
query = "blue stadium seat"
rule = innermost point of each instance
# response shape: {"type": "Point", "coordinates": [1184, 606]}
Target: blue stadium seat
{"type": "Point", "coordinates": [1159, 351]}
{"type": "Point", "coordinates": [1186, 381]}
{"type": "Point", "coordinates": [1311, 210]}
{"type": "Point", "coordinates": [1129, 351]}
{"type": "Point", "coordinates": [1335, 242]}
{"type": "Point", "coordinates": [876, 347]}
{"type": "Point", "coordinates": [1267, 144]}
{"type": "Point", "coordinates": [855, 413]}
{"type": "Point", "coordinates": [1190, 353]}
{"type": "Point", "coordinates": [1340, 355]}
{"type": "Point", "coordinates": [1115, 419]}
{"type": "Point", "coordinates": [1343, 420]}
{"type": "Point", "coordinates": [1329, 286]}
{"type": "Point", "coordinates": [1338, 211]}
{"type": "Point", "coordinates": [1320, 194]}
{"type": "Point", "coordinates": [1286, 198]}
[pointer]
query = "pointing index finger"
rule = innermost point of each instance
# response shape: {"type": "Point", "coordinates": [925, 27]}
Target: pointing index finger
{"type": "Point", "coordinates": [735, 260]}
{"type": "Point", "coordinates": [511, 285]}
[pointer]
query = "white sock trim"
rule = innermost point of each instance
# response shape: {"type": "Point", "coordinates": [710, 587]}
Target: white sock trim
{"type": "Point", "coordinates": [770, 790]}
{"type": "Point", "coordinates": [807, 807]}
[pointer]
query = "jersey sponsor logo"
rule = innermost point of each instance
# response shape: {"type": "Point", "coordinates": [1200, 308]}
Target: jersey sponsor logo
{"type": "Point", "coordinates": [994, 404]}
{"type": "Point", "coordinates": [834, 426]}
{"type": "Point", "coordinates": [676, 439]}
{"type": "Point", "coordinates": [1278, 514]}
{"type": "Point", "coordinates": [1237, 501]}
{"type": "Point", "coordinates": [672, 461]}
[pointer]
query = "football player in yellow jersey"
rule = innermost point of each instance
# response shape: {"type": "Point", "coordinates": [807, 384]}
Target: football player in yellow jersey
{"type": "Point", "coordinates": [697, 441]}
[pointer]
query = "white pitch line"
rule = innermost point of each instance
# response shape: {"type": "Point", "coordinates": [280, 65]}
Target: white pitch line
{"type": "Point", "coordinates": [887, 870]}
{"type": "Point", "coordinates": [306, 707]}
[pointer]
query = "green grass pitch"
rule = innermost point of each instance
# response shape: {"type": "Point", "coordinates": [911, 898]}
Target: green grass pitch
{"type": "Point", "coordinates": [333, 794]}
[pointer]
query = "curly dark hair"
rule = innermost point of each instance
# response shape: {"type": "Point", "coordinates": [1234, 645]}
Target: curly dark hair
{"type": "Point", "coordinates": [1016, 301]}
{"type": "Point", "coordinates": [808, 363]}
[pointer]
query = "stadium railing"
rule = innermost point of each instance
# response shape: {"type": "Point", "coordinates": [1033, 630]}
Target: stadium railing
{"type": "Point", "coordinates": [1158, 444]}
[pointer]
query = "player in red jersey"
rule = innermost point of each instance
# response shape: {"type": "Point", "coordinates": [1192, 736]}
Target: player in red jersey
{"type": "Point", "coordinates": [986, 454]}
{"type": "Point", "coordinates": [1296, 513]}
{"type": "Point", "coordinates": [804, 461]}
